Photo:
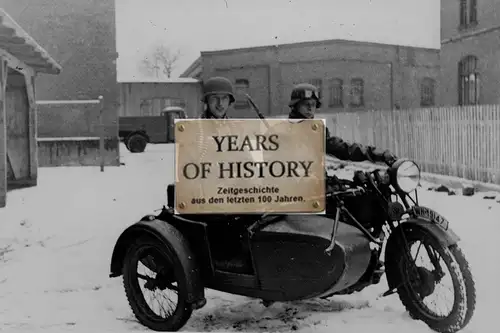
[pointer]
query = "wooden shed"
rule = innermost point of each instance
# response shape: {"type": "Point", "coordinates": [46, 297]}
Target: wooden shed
{"type": "Point", "coordinates": [21, 58]}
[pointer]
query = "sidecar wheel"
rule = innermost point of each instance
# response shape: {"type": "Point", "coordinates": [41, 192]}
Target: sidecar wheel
{"type": "Point", "coordinates": [415, 290]}
{"type": "Point", "coordinates": [167, 275]}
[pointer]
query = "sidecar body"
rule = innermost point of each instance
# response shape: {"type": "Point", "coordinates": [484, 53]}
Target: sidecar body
{"type": "Point", "coordinates": [274, 258]}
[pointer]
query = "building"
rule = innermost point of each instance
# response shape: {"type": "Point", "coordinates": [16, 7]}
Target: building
{"type": "Point", "coordinates": [21, 58]}
{"type": "Point", "coordinates": [80, 35]}
{"type": "Point", "coordinates": [470, 52]}
{"type": "Point", "coordinates": [350, 75]}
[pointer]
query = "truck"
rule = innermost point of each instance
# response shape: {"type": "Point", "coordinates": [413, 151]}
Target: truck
{"type": "Point", "coordinates": [148, 109]}
{"type": "Point", "coordinates": [137, 132]}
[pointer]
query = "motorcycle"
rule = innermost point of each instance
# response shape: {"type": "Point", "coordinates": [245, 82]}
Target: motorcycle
{"type": "Point", "coordinates": [370, 228]}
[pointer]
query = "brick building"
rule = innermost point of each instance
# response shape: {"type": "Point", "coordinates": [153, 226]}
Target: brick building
{"type": "Point", "coordinates": [470, 52]}
{"type": "Point", "coordinates": [351, 75]}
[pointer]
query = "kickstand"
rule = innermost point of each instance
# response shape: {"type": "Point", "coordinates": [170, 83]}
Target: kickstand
{"type": "Point", "coordinates": [330, 248]}
{"type": "Point", "coordinates": [390, 291]}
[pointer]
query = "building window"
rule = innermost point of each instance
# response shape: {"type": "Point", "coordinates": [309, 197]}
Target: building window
{"type": "Point", "coordinates": [357, 92]}
{"type": "Point", "coordinates": [469, 81]}
{"type": "Point", "coordinates": [336, 93]}
{"type": "Point", "coordinates": [317, 83]}
{"type": "Point", "coordinates": [241, 86]}
{"type": "Point", "coordinates": [427, 92]}
{"type": "Point", "coordinates": [468, 13]}
{"type": "Point", "coordinates": [154, 106]}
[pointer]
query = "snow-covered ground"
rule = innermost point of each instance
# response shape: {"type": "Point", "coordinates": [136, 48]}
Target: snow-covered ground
{"type": "Point", "coordinates": [56, 241]}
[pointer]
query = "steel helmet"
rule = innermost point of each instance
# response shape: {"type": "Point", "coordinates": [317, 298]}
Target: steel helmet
{"type": "Point", "coordinates": [304, 91]}
{"type": "Point", "coordinates": [218, 85]}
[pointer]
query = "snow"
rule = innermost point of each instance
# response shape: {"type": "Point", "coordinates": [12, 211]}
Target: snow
{"type": "Point", "coordinates": [56, 241]}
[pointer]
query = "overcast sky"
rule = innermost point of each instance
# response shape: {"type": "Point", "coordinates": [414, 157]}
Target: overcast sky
{"type": "Point", "coordinates": [203, 25]}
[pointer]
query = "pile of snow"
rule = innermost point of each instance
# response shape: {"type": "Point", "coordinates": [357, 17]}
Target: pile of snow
{"type": "Point", "coordinates": [56, 241]}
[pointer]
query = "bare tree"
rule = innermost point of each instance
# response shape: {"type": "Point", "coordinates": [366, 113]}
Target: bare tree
{"type": "Point", "coordinates": [160, 62]}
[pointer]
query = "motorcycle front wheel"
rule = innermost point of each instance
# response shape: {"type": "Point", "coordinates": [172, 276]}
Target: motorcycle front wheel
{"type": "Point", "coordinates": [419, 283]}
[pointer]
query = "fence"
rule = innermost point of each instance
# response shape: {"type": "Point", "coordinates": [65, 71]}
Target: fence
{"type": "Point", "coordinates": [68, 132]}
{"type": "Point", "coordinates": [455, 141]}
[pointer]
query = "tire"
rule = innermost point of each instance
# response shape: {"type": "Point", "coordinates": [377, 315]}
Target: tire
{"type": "Point", "coordinates": [125, 142]}
{"type": "Point", "coordinates": [463, 286]}
{"type": "Point", "coordinates": [136, 143]}
{"type": "Point", "coordinates": [135, 296]}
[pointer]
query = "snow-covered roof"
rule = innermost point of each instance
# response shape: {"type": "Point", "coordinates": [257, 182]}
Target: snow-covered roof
{"type": "Point", "coordinates": [153, 80]}
{"type": "Point", "coordinates": [17, 42]}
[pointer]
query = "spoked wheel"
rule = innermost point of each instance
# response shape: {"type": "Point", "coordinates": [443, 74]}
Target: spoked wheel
{"type": "Point", "coordinates": [421, 285]}
{"type": "Point", "coordinates": [154, 286]}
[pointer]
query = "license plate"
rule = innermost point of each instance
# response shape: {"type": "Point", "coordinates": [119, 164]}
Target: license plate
{"type": "Point", "coordinates": [431, 216]}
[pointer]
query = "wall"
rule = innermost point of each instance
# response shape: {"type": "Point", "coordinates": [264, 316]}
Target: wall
{"type": "Point", "coordinates": [259, 87]}
{"type": "Point", "coordinates": [485, 46]}
{"type": "Point", "coordinates": [488, 14]}
{"type": "Point", "coordinates": [376, 76]}
{"type": "Point", "coordinates": [133, 93]}
{"type": "Point", "coordinates": [17, 119]}
{"type": "Point", "coordinates": [79, 35]}
{"type": "Point", "coordinates": [486, 49]}
{"type": "Point", "coordinates": [391, 73]}
{"type": "Point", "coordinates": [76, 152]}
{"type": "Point", "coordinates": [72, 120]}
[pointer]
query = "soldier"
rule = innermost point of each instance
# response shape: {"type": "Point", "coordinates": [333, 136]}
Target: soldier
{"type": "Point", "coordinates": [218, 96]}
{"type": "Point", "coordinates": [304, 102]}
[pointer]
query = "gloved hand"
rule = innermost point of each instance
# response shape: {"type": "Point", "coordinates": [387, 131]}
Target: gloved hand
{"type": "Point", "coordinates": [389, 158]}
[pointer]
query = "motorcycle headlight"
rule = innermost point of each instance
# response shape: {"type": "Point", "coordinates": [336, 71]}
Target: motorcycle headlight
{"type": "Point", "coordinates": [407, 176]}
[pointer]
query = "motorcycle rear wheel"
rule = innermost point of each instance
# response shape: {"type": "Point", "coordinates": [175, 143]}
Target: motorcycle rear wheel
{"type": "Point", "coordinates": [463, 286]}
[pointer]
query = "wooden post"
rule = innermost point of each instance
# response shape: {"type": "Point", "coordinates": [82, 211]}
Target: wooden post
{"type": "Point", "coordinates": [33, 124]}
{"type": "Point", "coordinates": [3, 133]}
{"type": "Point", "coordinates": [101, 132]}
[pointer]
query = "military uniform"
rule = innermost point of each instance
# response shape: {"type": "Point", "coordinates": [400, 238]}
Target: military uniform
{"type": "Point", "coordinates": [334, 145]}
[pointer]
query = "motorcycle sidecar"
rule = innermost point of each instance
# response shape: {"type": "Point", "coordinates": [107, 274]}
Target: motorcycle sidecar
{"type": "Point", "coordinates": [275, 258]}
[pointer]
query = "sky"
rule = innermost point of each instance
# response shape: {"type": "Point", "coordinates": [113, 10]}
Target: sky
{"type": "Point", "coordinates": [191, 26]}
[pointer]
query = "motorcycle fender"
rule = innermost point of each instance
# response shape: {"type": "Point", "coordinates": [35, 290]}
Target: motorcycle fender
{"type": "Point", "coordinates": [171, 237]}
{"type": "Point", "coordinates": [445, 237]}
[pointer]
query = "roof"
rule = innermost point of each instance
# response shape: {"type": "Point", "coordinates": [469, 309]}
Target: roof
{"type": "Point", "coordinates": [153, 80]}
{"type": "Point", "coordinates": [15, 41]}
{"type": "Point", "coordinates": [310, 44]}
{"type": "Point", "coordinates": [194, 69]}
{"type": "Point", "coordinates": [197, 66]}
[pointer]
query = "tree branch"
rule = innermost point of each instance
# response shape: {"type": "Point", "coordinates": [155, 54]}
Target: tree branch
{"type": "Point", "coordinates": [162, 58]}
